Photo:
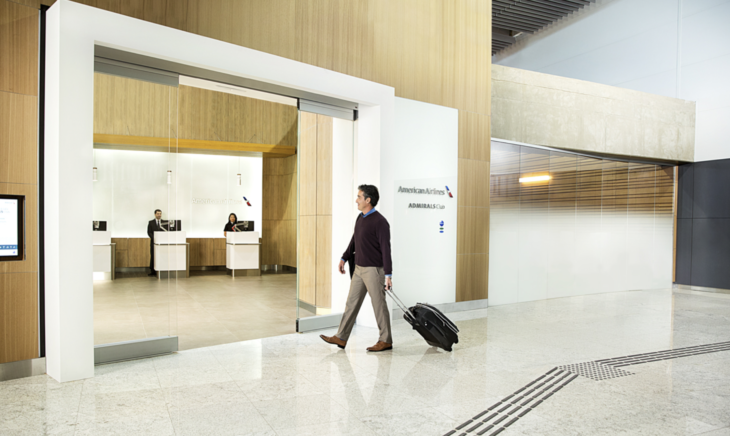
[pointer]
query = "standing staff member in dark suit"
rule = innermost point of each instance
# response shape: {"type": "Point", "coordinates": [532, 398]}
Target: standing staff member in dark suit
{"type": "Point", "coordinates": [152, 227]}
{"type": "Point", "coordinates": [373, 269]}
{"type": "Point", "coordinates": [231, 224]}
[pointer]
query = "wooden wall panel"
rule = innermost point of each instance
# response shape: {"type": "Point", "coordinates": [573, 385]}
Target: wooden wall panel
{"type": "Point", "coordinates": [308, 164]}
{"type": "Point", "coordinates": [132, 107]}
{"type": "Point", "coordinates": [138, 252]}
{"type": "Point", "coordinates": [136, 108]}
{"type": "Point", "coordinates": [36, 4]}
{"type": "Point", "coordinates": [18, 140]}
{"type": "Point", "coordinates": [18, 316]}
{"type": "Point", "coordinates": [473, 235]}
{"type": "Point", "coordinates": [324, 261]}
{"type": "Point", "coordinates": [288, 248]}
{"type": "Point", "coordinates": [18, 174]}
{"type": "Point", "coordinates": [324, 165]}
{"type": "Point", "coordinates": [18, 48]}
{"type": "Point", "coordinates": [315, 191]}
{"type": "Point", "coordinates": [435, 51]}
{"type": "Point", "coordinates": [473, 183]}
{"type": "Point", "coordinates": [472, 277]}
{"type": "Point", "coordinates": [474, 140]}
{"type": "Point", "coordinates": [473, 200]}
{"type": "Point", "coordinates": [279, 212]}
{"type": "Point", "coordinates": [307, 269]}
{"type": "Point", "coordinates": [135, 252]}
{"type": "Point", "coordinates": [207, 251]}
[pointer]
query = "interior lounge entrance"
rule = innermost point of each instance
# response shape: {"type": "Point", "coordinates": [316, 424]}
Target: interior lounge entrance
{"type": "Point", "coordinates": [215, 215]}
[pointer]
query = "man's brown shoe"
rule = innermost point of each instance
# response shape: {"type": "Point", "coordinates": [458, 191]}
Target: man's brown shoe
{"type": "Point", "coordinates": [381, 346]}
{"type": "Point", "coordinates": [334, 340]}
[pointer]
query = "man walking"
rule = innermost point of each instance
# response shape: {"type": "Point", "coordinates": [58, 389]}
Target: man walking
{"type": "Point", "coordinates": [370, 245]}
{"type": "Point", "coordinates": [152, 227]}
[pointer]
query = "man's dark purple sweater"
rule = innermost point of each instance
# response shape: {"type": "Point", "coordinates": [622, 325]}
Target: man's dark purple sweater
{"type": "Point", "coordinates": [371, 243]}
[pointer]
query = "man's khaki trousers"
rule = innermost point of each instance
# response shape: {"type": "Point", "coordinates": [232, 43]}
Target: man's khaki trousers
{"type": "Point", "coordinates": [366, 280]}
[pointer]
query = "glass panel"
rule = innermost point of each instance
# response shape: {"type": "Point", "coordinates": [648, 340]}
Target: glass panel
{"type": "Point", "coordinates": [561, 224]}
{"type": "Point", "coordinates": [326, 212]}
{"type": "Point", "coordinates": [614, 197]}
{"type": "Point", "coordinates": [595, 225]}
{"type": "Point", "coordinates": [504, 189]}
{"type": "Point", "coordinates": [640, 226]}
{"type": "Point", "coordinates": [533, 223]}
{"type": "Point", "coordinates": [589, 238]}
{"type": "Point", "coordinates": [135, 155]}
{"type": "Point", "coordinates": [663, 224]}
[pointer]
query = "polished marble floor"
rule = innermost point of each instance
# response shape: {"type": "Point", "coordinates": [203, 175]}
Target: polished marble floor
{"type": "Point", "coordinates": [209, 308]}
{"type": "Point", "coordinates": [297, 385]}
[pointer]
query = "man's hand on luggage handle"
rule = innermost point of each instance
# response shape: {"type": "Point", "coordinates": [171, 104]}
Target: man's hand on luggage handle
{"type": "Point", "coordinates": [388, 283]}
{"type": "Point", "coordinates": [342, 267]}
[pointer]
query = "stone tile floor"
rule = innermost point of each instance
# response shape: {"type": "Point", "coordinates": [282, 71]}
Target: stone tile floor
{"type": "Point", "coordinates": [209, 308]}
{"type": "Point", "coordinates": [298, 385]}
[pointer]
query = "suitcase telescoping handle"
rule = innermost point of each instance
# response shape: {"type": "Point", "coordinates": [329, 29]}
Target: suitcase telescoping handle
{"type": "Point", "coordinates": [399, 303]}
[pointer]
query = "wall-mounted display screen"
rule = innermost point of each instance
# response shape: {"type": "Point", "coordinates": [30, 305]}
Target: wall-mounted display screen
{"type": "Point", "coordinates": [12, 220]}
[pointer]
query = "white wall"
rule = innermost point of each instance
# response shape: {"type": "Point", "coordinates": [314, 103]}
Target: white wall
{"type": "Point", "coordinates": [425, 155]}
{"type": "Point", "coordinates": [634, 44]}
{"type": "Point", "coordinates": [132, 184]}
{"type": "Point", "coordinates": [344, 209]}
{"type": "Point", "coordinates": [73, 30]}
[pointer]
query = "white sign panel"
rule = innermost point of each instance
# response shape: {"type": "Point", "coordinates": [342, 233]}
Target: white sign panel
{"type": "Point", "coordinates": [424, 234]}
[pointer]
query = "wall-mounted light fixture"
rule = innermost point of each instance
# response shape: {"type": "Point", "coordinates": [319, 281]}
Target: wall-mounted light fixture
{"type": "Point", "coordinates": [93, 173]}
{"type": "Point", "coordinates": [169, 177]}
{"type": "Point", "coordinates": [238, 176]}
{"type": "Point", "coordinates": [534, 179]}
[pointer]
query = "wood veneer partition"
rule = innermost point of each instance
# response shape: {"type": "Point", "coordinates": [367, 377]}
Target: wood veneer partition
{"type": "Point", "coordinates": [315, 210]}
{"type": "Point", "coordinates": [279, 212]}
{"type": "Point", "coordinates": [135, 114]}
{"type": "Point", "coordinates": [18, 174]}
{"type": "Point", "coordinates": [435, 51]}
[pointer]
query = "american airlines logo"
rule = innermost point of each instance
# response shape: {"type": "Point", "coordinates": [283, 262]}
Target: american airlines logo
{"type": "Point", "coordinates": [428, 191]}
{"type": "Point", "coordinates": [215, 201]}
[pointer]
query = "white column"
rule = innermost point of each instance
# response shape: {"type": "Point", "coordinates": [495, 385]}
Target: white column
{"type": "Point", "coordinates": [68, 208]}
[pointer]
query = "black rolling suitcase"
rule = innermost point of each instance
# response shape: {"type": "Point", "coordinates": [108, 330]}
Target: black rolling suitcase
{"type": "Point", "coordinates": [430, 323]}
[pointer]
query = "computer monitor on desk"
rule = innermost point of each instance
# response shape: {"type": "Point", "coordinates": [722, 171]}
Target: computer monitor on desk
{"type": "Point", "coordinates": [99, 226]}
{"type": "Point", "coordinates": [244, 226]}
{"type": "Point", "coordinates": [171, 225]}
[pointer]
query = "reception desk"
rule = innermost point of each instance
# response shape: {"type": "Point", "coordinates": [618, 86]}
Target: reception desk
{"type": "Point", "coordinates": [242, 253]}
{"type": "Point", "coordinates": [203, 252]}
{"type": "Point", "coordinates": [104, 259]}
{"type": "Point", "coordinates": [171, 254]}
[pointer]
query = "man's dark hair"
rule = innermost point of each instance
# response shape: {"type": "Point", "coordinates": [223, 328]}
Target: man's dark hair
{"type": "Point", "coordinates": [371, 192]}
{"type": "Point", "coordinates": [157, 210]}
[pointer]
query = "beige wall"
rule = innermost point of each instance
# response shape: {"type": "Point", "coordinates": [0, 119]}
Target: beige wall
{"type": "Point", "coordinates": [542, 109]}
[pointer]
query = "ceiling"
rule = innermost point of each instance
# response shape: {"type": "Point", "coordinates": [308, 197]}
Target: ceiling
{"type": "Point", "coordinates": [511, 18]}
